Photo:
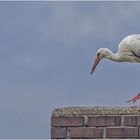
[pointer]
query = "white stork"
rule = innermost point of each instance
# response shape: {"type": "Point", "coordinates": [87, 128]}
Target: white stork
{"type": "Point", "coordinates": [128, 51]}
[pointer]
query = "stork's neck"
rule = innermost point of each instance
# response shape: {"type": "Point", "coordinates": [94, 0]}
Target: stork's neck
{"type": "Point", "coordinates": [112, 56]}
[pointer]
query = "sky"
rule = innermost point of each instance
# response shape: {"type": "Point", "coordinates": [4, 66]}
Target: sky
{"type": "Point", "coordinates": [46, 53]}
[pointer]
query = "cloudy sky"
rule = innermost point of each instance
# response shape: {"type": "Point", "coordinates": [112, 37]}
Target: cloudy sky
{"type": "Point", "coordinates": [46, 53]}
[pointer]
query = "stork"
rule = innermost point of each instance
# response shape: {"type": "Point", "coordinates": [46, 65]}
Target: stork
{"type": "Point", "coordinates": [128, 51]}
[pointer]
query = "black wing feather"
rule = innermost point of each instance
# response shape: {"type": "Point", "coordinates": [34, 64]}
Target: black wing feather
{"type": "Point", "coordinates": [135, 54]}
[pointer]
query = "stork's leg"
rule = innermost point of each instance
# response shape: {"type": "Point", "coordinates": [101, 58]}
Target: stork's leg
{"type": "Point", "coordinates": [134, 99]}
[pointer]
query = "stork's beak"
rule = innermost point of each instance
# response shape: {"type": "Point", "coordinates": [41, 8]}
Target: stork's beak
{"type": "Point", "coordinates": [97, 60]}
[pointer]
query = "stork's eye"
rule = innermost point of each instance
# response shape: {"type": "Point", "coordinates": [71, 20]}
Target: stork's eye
{"type": "Point", "coordinates": [98, 54]}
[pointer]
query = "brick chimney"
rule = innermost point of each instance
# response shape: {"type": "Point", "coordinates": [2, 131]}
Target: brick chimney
{"type": "Point", "coordinates": [95, 122]}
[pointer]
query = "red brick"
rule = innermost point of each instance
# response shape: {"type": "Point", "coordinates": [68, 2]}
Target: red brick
{"type": "Point", "coordinates": [139, 132]}
{"type": "Point", "coordinates": [67, 121]}
{"type": "Point", "coordinates": [104, 121]}
{"type": "Point", "coordinates": [60, 133]}
{"type": "Point", "coordinates": [132, 120]}
{"type": "Point", "coordinates": [86, 132]}
{"type": "Point", "coordinates": [138, 120]}
{"type": "Point", "coordinates": [122, 132]}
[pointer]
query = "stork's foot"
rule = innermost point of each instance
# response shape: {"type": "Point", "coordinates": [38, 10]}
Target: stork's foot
{"type": "Point", "coordinates": [135, 108]}
{"type": "Point", "coordinates": [134, 99]}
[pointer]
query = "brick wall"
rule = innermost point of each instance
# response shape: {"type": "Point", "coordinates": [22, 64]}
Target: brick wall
{"type": "Point", "coordinates": [95, 122]}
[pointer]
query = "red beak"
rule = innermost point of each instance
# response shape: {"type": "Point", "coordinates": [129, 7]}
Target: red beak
{"type": "Point", "coordinates": [97, 60]}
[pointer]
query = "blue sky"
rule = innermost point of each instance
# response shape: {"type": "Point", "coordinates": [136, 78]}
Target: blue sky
{"type": "Point", "coordinates": [46, 53]}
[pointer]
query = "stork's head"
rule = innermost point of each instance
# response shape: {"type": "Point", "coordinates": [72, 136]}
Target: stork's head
{"type": "Point", "coordinates": [101, 53]}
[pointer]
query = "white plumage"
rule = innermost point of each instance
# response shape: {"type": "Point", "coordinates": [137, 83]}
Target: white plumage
{"type": "Point", "coordinates": [128, 51]}
{"type": "Point", "coordinates": [130, 48]}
